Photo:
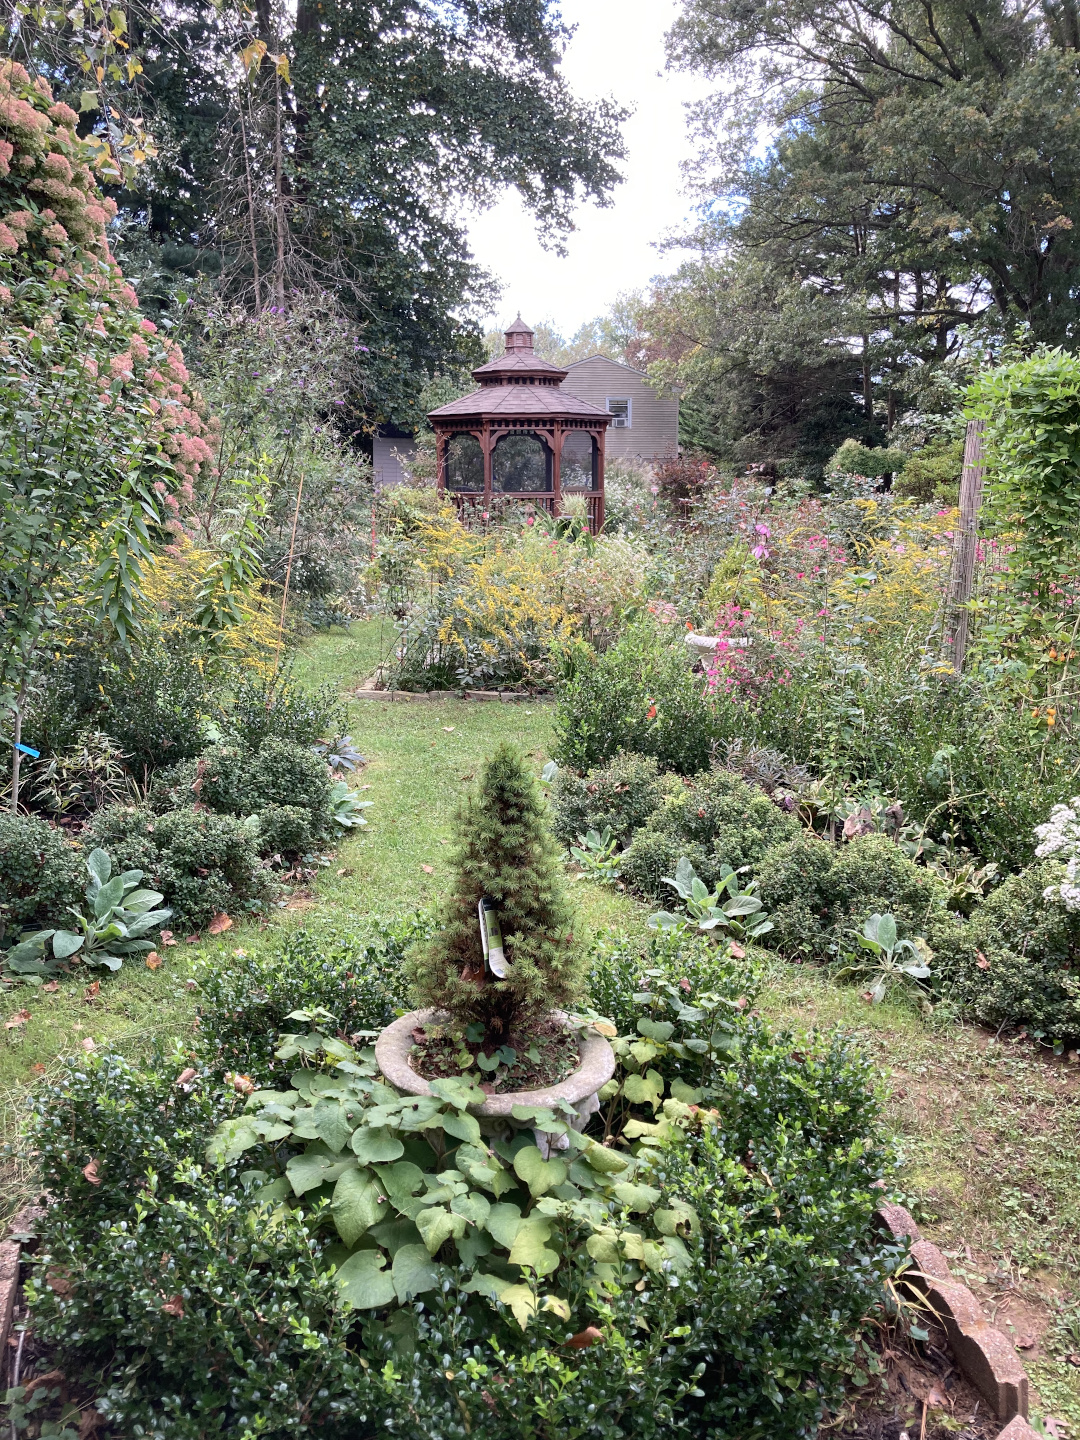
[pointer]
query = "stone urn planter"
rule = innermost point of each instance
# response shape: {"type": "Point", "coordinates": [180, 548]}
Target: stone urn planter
{"type": "Point", "coordinates": [578, 1089]}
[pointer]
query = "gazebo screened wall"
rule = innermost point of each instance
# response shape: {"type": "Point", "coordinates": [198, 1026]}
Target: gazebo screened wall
{"type": "Point", "coordinates": [520, 434]}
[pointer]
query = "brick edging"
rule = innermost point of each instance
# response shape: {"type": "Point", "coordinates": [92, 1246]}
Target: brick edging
{"type": "Point", "coordinates": [10, 1257]}
{"type": "Point", "coordinates": [985, 1355]}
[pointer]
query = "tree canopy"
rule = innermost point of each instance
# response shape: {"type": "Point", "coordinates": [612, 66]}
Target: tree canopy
{"type": "Point", "coordinates": [895, 169]}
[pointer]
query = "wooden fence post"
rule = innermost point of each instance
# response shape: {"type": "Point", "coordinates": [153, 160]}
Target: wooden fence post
{"type": "Point", "coordinates": [963, 574]}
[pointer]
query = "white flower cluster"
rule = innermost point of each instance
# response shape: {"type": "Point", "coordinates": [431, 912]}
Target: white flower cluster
{"type": "Point", "coordinates": [1060, 836]}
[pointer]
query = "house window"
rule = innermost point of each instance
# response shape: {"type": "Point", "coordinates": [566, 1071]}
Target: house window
{"type": "Point", "coordinates": [621, 409]}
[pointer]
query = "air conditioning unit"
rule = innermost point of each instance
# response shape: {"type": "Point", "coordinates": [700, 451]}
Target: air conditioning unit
{"type": "Point", "coordinates": [618, 422]}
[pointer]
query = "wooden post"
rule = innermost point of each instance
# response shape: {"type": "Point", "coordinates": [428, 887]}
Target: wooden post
{"type": "Point", "coordinates": [963, 576]}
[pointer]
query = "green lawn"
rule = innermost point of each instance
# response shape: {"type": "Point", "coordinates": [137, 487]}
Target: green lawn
{"type": "Point", "coordinates": [987, 1131]}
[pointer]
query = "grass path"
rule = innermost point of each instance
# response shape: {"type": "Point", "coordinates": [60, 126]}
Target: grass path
{"type": "Point", "coordinates": [989, 1133]}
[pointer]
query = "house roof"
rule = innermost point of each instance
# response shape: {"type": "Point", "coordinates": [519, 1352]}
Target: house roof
{"type": "Point", "coordinates": [597, 356]}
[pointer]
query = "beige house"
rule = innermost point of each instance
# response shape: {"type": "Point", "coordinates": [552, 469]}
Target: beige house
{"type": "Point", "coordinates": [646, 423]}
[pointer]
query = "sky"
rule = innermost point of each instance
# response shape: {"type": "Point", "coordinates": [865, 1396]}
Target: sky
{"type": "Point", "coordinates": [618, 50]}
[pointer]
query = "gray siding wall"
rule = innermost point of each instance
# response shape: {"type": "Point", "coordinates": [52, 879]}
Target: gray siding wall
{"type": "Point", "coordinates": [386, 458]}
{"type": "Point", "coordinates": [654, 419]}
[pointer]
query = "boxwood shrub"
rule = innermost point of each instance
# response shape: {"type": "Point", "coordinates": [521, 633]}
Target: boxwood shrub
{"type": "Point", "coordinates": [190, 1307]}
{"type": "Point", "coordinates": [1017, 960]}
{"type": "Point", "coordinates": [41, 873]}
{"type": "Point", "coordinates": [640, 696]}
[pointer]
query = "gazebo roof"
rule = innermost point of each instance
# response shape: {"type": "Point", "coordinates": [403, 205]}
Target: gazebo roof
{"type": "Point", "coordinates": [520, 384]}
{"type": "Point", "coordinates": [535, 401]}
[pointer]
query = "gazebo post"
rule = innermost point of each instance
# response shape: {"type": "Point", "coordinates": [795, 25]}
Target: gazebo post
{"type": "Point", "coordinates": [486, 446]}
{"type": "Point", "coordinates": [600, 436]}
{"type": "Point", "coordinates": [556, 465]}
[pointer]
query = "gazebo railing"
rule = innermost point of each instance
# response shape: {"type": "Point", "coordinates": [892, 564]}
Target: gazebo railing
{"type": "Point", "coordinates": [472, 507]}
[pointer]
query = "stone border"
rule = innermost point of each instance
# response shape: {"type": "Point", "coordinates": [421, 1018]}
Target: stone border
{"type": "Point", "coordinates": [985, 1355]}
{"type": "Point", "coordinates": [596, 1069]}
{"type": "Point", "coordinates": [10, 1259]}
{"type": "Point", "coordinates": [505, 697]}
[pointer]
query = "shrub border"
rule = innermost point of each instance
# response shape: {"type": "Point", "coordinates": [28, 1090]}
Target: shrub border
{"type": "Point", "coordinates": [984, 1354]}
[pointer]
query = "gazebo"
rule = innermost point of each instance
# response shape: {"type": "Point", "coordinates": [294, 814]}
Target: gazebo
{"type": "Point", "coordinates": [522, 435]}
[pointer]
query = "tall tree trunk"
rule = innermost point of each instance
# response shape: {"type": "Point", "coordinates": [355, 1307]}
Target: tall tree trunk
{"type": "Point", "coordinates": [251, 210]}
{"type": "Point", "coordinates": [279, 200]}
{"type": "Point", "coordinates": [867, 384]}
{"type": "Point", "coordinates": [16, 753]}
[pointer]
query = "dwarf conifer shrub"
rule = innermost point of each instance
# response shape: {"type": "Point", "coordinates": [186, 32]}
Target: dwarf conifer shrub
{"type": "Point", "coordinates": [505, 853]}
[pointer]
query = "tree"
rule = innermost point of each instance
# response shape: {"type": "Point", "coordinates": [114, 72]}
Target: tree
{"type": "Point", "coordinates": [101, 436]}
{"type": "Point", "coordinates": [920, 175]}
{"type": "Point", "coordinates": [926, 152]}
{"type": "Point", "coordinates": [328, 146]}
{"type": "Point", "coordinates": [505, 854]}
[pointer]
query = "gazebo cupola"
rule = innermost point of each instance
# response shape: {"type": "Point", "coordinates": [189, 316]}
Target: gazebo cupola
{"type": "Point", "coordinates": [522, 434]}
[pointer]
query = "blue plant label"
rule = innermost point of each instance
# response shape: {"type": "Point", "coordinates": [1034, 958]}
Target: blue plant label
{"type": "Point", "coordinates": [26, 750]}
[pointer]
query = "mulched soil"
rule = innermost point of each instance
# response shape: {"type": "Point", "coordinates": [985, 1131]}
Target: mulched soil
{"type": "Point", "coordinates": [921, 1395]}
{"type": "Point", "coordinates": [436, 1054]}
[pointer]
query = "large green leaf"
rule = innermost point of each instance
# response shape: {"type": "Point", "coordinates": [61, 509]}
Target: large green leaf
{"type": "Point", "coordinates": [376, 1145]}
{"type": "Point", "coordinates": [636, 1197]}
{"type": "Point", "coordinates": [458, 1091]}
{"type": "Point", "coordinates": [475, 1208]}
{"type": "Point", "coordinates": [332, 1124]}
{"type": "Point", "coordinates": [313, 1168]}
{"type": "Point", "coordinates": [401, 1181]}
{"type": "Point", "coordinates": [363, 1282]}
{"type": "Point", "coordinates": [503, 1221]}
{"type": "Point", "coordinates": [414, 1272]}
{"type": "Point", "coordinates": [539, 1175]}
{"type": "Point", "coordinates": [436, 1225]}
{"type": "Point", "coordinates": [606, 1161]}
{"type": "Point", "coordinates": [644, 1089]}
{"type": "Point", "coordinates": [530, 1245]}
{"type": "Point", "coordinates": [65, 943]}
{"type": "Point", "coordinates": [357, 1205]}
{"type": "Point", "coordinates": [99, 865]}
{"type": "Point", "coordinates": [108, 897]}
{"type": "Point", "coordinates": [462, 1126]}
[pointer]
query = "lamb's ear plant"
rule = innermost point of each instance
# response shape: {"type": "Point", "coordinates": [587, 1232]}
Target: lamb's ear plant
{"type": "Point", "coordinates": [506, 855]}
{"type": "Point", "coordinates": [888, 962]}
{"type": "Point", "coordinates": [120, 916]}
{"type": "Point", "coordinates": [741, 913]}
{"type": "Point", "coordinates": [597, 852]}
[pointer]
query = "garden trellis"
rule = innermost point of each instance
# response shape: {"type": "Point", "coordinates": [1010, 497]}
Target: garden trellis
{"type": "Point", "coordinates": [1013, 608]}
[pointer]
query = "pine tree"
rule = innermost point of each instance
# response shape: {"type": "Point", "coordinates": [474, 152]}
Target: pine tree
{"type": "Point", "coordinates": [505, 853]}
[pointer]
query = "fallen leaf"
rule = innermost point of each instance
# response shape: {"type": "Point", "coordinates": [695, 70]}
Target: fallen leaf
{"type": "Point", "coordinates": [1026, 1342]}
{"type": "Point", "coordinates": [88, 1044]}
{"type": "Point", "coordinates": [981, 960]}
{"type": "Point", "coordinates": [191, 984]}
{"type": "Point", "coordinates": [936, 1400]}
{"type": "Point", "coordinates": [91, 991]}
{"type": "Point", "coordinates": [449, 729]}
{"type": "Point", "coordinates": [19, 1018]}
{"type": "Point", "coordinates": [345, 870]}
{"type": "Point", "coordinates": [1074, 1360]}
{"type": "Point", "coordinates": [51, 1377]}
{"type": "Point", "coordinates": [736, 951]}
{"type": "Point", "coordinates": [186, 1076]}
{"type": "Point", "coordinates": [1056, 1428]}
{"type": "Point", "coordinates": [154, 961]}
{"type": "Point", "coordinates": [90, 1422]}
{"type": "Point", "coordinates": [444, 842]}
{"type": "Point", "coordinates": [193, 939]}
{"type": "Point", "coordinates": [51, 986]}
{"type": "Point", "coordinates": [242, 1084]}
{"type": "Point", "coordinates": [174, 1306]}
{"type": "Point", "coordinates": [585, 1338]}
{"type": "Point", "coordinates": [37, 1068]}
{"type": "Point", "coordinates": [90, 1173]}
{"type": "Point", "coordinates": [59, 1283]}
{"type": "Point", "coordinates": [167, 938]}
{"type": "Point", "coordinates": [470, 776]}
{"type": "Point", "coordinates": [428, 869]}
{"type": "Point", "coordinates": [219, 924]}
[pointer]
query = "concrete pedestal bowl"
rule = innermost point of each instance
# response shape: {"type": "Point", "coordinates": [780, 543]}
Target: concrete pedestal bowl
{"type": "Point", "coordinates": [579, 1089]}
